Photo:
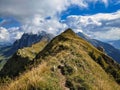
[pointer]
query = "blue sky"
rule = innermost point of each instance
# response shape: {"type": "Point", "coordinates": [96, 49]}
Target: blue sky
{"type": "Point", "coordinates": [96, 18]}
{"type": "Point", "coordinates": [92, 9]}
{"type": "Point", "coordinates": [9, 22]}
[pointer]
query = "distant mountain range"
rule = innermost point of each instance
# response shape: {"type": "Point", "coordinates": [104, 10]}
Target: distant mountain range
{"type": "Point", "coordinates": [115, 43]}
{"type": "Point", "coordinates": [67, 62]}
{"type": "Point", "coordinates": [109, 49]}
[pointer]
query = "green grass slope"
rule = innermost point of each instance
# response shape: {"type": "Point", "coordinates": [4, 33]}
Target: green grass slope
{"type": "Point", "coordinates": [3, 58]}
{"type": "Point", "coordinates": [69, 63]}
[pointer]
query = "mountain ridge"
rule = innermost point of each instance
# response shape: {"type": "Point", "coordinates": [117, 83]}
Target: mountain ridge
{"type": "Point", "coordinates": [69, 62]}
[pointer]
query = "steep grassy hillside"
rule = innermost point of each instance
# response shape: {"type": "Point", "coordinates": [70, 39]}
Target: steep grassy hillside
{"type": "Point", "coordinates": [23, 57]}
{"type": "Point", "coordinates": [69, 62]}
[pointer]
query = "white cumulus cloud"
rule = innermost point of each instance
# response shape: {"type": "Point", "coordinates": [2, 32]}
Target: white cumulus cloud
{"type": "Point", "coordinates": [4, 34]}
{"type": "Point", "coordinates": [39, 23]}
{"type": "Point", "coordinates": [10, 35]}
{"type": "Point", "coordinates": [104, 26]}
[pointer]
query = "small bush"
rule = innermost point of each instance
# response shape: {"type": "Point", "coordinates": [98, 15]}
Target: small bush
{"type": "Point", "coordinates": [114, 73]}
{"type": "Point", "coordinates": [72, 85]}
{"type": "Point", "coordinates": [66, 70]}
{"type": "Point", "coordinates": [92, 55]}
{"type": "Point", "coordinates": [101, 62]}
{"type": "Point", "coordinates": [69, 84]}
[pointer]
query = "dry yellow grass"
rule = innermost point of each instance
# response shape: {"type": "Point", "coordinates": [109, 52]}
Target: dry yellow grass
{"type": "Point", "coordinates": [40, 77]}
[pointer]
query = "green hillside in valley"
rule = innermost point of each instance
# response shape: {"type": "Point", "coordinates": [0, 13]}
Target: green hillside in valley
{"type": "Point", "coordinates": [2, 51]}
{"type": "Point", "coordinates": [66, 63]}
